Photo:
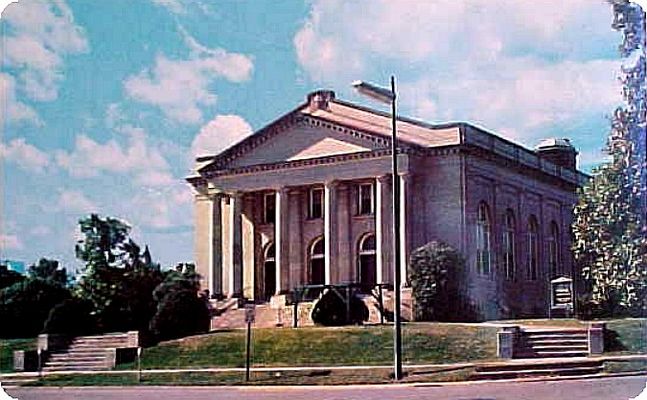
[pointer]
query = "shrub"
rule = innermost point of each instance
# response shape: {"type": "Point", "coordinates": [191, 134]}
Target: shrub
{"type": "Point", "coordinates": [71, 317]}
{"type": "Point", "coordinates": [180, 313]}
{"type": "Point", "coordinates": [330, 310]}
{"type": "Point", "coordinates": [435, 271]}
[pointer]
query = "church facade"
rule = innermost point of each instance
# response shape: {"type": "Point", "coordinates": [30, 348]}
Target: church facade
{"type": "Point", "coordinates": [308, 199]}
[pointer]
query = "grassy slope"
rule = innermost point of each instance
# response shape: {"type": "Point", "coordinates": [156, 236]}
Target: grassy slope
{"type": "Point", "coordinates": [423, 343]}
{"type": "Point", "coordinates": [8, 346]}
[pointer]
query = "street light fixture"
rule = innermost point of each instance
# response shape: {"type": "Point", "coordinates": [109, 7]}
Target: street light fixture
{"type": "Point", "coordinates": [389, 96]}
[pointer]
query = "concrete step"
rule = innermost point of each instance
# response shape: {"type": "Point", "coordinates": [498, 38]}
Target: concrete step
{"type": "Point", "coordinates": [72, 357]}
{"type": "Point", "coordinates": [548, 342]}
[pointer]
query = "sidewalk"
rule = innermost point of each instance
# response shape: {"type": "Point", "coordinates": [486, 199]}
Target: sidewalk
{"type": "Point", "coordinates": [520, 361]}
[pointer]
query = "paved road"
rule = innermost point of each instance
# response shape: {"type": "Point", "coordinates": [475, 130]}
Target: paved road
{"type": "Point", "coordinates": [606, 389]}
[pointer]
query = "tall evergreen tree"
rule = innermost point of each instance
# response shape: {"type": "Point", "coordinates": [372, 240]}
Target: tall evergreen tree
{"type": "Point", "coordinates": [610, 242]}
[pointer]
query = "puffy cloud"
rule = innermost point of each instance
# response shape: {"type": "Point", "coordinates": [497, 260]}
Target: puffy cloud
{"type": "Point", "coordinates": [219, 134]}
{"type": "Point", "coordinates": [75, 202]}
{"type": "Point", "coordinates": [181, 87]}
{"type": "Point", "coordinates": [10, 242]}
{"type": "Point", "coordinates": [90, 158]}
{"type": "Point", "coordinates": [42, 33]}
{"type": "Point", "coordinates": [15, 110]}
{"type": "Point", "coordinates": [522, 67]}
{"type": "Point", "coordinates": [25, 155]}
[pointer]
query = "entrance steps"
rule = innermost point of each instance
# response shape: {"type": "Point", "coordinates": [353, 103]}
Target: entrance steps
{"type": "Point", "coordinates": [87, 353]}
{"type": "Point", "coordinates": [547, 343]}
{"type": "Point", "coordinates": [538, 368]}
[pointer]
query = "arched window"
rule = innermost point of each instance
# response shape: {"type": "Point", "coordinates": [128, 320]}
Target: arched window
{"type": "Point", "coordinates": [508, 245]}
{"type": "Point", "coordinates": [483, 242]}
{"type": "Point", "coordinates": [269, 272]}
{"type": "Point", "coordinates": [317, 262]}
{"type": "Point", "coordinates": [553, 250]}
{"type": "Point", "coordinates": [367, 271]}
{"type": "Point", "coordinates": [533, 247]}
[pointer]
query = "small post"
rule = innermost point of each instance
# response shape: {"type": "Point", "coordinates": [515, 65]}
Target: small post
{"type": "Point", "coordinates": [247, 350]}
{"type": "Point", "coordinates": [250, 314]}
{"type": "Point", "coordinates": [347, 304]}
{"type": "Point", "coordinates": [39, 366]}
{"type": "Point", "coordinates": [295, 314]}
{"type": "Point", "coordinates": [139, 364]}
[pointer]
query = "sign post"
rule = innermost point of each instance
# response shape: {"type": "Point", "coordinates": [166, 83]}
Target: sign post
{"type": "Point", "coordinates": [561, 294]}
{"type": "Point", "coordinates": [250, 315]}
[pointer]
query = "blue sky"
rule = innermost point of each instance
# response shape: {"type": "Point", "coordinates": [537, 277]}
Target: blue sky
{"type": "Point", "coordinates": [105, 102]}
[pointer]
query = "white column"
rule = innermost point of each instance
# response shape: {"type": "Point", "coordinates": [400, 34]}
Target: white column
{"type": "Point", "coordinates": [405, 179]}
{"type": "Point", "coordinates": [383, 229]}
{"type": "Point", "coordinates": [215, 246]}
{"type": "Point", "coordinates": [249, 246]}
{"type": "Point", "coordinates": [236, 272]}
{"type": "Point", "coordinates": [330, 229]}
{"type": "Point", "coordinates": [282, 241]}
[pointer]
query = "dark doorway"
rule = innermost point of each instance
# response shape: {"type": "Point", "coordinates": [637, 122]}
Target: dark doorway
{"type": "Point", "coordinates": [317, 263]}
{"type": "Point", "coordinates": [367, 263]}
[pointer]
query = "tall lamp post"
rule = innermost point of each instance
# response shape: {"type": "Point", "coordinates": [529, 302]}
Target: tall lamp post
{"type": "Point", "coordinates": [388, 96]}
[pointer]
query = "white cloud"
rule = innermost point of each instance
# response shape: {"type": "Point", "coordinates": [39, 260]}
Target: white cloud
{"type": "Point", "coordinates": [519, 66]}
{"type": "Point", "coordinates": [219, 134]}
{"type": "Point", "coordinates": [90, 158]}
{"type": "Point", "coordinates": [75, 202]}
{"type": "Point", "coordinates": [41, 34]}
{"type": "Point", "coordinates": [15, 110]}
{"type": "Point", "coordinates": [26, 156]}
{"type": "Point", "coordinates": [40, 231]}
{"type": "Point", "coordinates": [10, 242]}
{"type": "Point", "coordinates": [174, 6]}
{"type": "Point", "coordinates": [181, 87]}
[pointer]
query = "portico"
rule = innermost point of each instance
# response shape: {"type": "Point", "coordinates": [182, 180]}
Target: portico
{"type": "Point", "coordinates": [305, 223]}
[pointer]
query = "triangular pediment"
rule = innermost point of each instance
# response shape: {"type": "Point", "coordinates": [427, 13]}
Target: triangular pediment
{"type": "Point", "coordinates": [301, 142]}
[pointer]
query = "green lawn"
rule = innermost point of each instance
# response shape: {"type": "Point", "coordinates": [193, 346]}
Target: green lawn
{"type": "Point", "coordinates": [626, 336]}
{"type": "Point", "coordinates": [370, 345]}
{"type": "Point", "coordinates": [8, 346]}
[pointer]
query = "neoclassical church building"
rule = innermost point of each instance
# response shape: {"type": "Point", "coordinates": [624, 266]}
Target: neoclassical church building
{"type": "Point", "coordinates": [307, 200]}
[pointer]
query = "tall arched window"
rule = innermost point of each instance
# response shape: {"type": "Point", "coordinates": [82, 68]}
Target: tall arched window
{"type": "Point", "coordinates": [367, 271]}
{"type": "Point", "coordinates": [508, 245]}
{"type": "Point", "coordinates": [317, 262]}
{"type": "Point", "coordinates": [483, 242]}
{"type": "Point", "coordinates": [269, 272]}
{"type": "Point", "coordinates": [553, 250]}
{"type": "Point", "coordinates": [533, 247]}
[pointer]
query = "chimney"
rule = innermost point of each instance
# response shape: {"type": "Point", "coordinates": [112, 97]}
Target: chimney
{"type": "Point", "coordinates": [318, 100]}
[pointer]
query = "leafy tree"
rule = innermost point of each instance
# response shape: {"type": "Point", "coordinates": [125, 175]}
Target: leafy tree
{"type": "Point", "coordinates": [119, 278]}
{"type": "Point", "coordinates": [48, 270]}
{"type": "Point", "coordinates": [180, 310]}
{"type": "Point", "coordinates": [434, 271]}
{"type": "Point", "coordinates": [9, 277]}
{"type": "Point", "coordinates": [25, 305]}
{"type": "Point", "coordinates": [610, 234]}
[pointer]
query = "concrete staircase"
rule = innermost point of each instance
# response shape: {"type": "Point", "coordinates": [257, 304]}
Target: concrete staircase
{"type": "Point", "coordinates": [87, 353]}
{"type": "Point", "coordinates": [546, 343]}
{"type": "Point", "coordinates": [538, 368]}
{"type": "Point", "coordinates": [229, 315]}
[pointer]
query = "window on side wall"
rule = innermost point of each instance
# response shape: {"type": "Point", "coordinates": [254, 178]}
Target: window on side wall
{"type": "Point", "coordinates": [483, 242]}
{"type": "Point", "coordinates": [508, 245]}
{"type": "Point", "coordinates": [533, 248]}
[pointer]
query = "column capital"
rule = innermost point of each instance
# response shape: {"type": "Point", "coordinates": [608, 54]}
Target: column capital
{"type": "Point", "coordinates": [331, 183]}
{"type": "Point", "coordinates": [386, 178]}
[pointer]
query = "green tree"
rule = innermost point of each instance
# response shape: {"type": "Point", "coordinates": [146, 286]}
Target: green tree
{"type": "Point", "coordinates": [48, 270]}
{"type": "Point", "coordinates": [9, 277]}
{"type": "Point", "coordinates": [118, 279]}
{"type": "Point", "coordinates": [610, 236]}
{"type": "Point", "coordinates": [24, 306]}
